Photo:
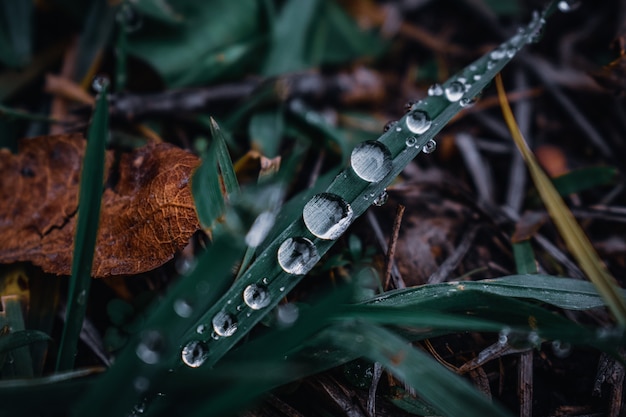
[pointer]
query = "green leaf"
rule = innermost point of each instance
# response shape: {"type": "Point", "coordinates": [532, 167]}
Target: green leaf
{"type": "Point", "coordinates": [206, 190]}
{"type": "Point", "coordinates": [223, 160]}
{"type": "Point", "coordinates": [524, 258]}
{"type": "Point", "coordinates": [16, 32]}
{"type": "Point", "coordinates": [90, 196]}
{"type": "Point", "coordinates": [266, 131]}
{"type": "Point", "coordinates": [584, 179]}
{"type": "Point", "coordinates": [433, 382]}
{"type": "Point", "coordinates": [21, 338]}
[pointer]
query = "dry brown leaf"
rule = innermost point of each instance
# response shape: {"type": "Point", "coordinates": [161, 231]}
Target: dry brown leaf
{"type": "Point", "coordinates": [145, 218]}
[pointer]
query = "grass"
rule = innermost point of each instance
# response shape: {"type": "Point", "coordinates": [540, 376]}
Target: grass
{"type": "Point", "coordinates": [281, 287]}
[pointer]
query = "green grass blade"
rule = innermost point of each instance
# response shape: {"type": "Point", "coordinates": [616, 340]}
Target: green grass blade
{"type": "Point", "coordinates": [16, 35]}
{"type": "Point", "coordinates": [92, 178]}
{"type": "Point", "coordinates": [206, 190]}
{"type": "Point", "coordinates": [584, 179]}
{"type": "Point", "coordinates": [524, 255]}
{"type": "Point", "coordinates": [567, 293]}
{"type": "Point", "coordinates": [223, 160]}
{"type": "Point", "coordinates": [433, 382]}
{"type": "Point", "coordinates": [21, 338]}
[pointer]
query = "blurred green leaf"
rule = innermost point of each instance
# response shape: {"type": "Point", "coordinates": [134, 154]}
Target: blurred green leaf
{"type": "Point", "coordinates": [16, 32]}
{"type": "Point", "coordinates": [504, 7]}
{"type": "Point", "coordinates": [21, 338]}
{"type": "Point", "coordinates": [266, 131]}
{"type": "Point", "coordinates": [584, 179]}
{"type": "Point", "coordinates": [525, 262]}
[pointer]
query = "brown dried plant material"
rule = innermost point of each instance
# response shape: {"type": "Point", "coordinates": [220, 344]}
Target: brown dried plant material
{"type": "Point", "coordinates": [145, 218]}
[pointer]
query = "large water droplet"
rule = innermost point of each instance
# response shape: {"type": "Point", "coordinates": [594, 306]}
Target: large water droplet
{"type": "Point", "coordinates": [455, 91]}
{"type": "Point", "coordinates": [297, 255]}
{"type": "Point", "coordinates": [224, 324]}
{"type": "Point", "coordinates": [371, 161]}
{"type": "Point", "coordinates": [194, 353]}
{"type": "Point", "coordinates": [150, 347]}
{"type": "Point", "coordinates": [327, 215]}
{"type": "Point", "coordinates": [435, 90]}
{"type": "Point", "coordinates": [418, 122]}
{"type": "Point", "coordinates": [430, 146]}
{"type": "Point", "coordinates": [381, 199]}
{"type": "Point", "coordinates": [256, 296]}
{"type": "Point", "coordinates": [183, 308]}
{"type": "Point", "coordinates": [567, 6]}
{"type": "Point", "coordinates": [260, 228]}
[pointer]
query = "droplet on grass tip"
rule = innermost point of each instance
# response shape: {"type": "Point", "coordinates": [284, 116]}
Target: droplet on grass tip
{"type": "Point", "coordinates": [418, 122]}
{"type": "Point", "coordinates": [256, 296]}
{"type": "Point", "coordinates": [454, 91]}
{"type": "Point", "coordinates": [194, 353]}
{"type": "Point", "coordinates": [371, 161]}
{"type": "Point", "coordinates": [430, 146]}
{"type": "Point", "coordinates": [297, 255]}
{"type": "Point", "coordinates": [327, 216]}
{"type": "Point", "coordinates": [224, 324]}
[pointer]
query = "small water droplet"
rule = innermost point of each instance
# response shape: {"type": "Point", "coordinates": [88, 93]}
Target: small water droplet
{"type": "Point", "coordinates": [371, 161]}
{"type": "Point", "coordinates": [129, 17]}
{"type": "Point", "coordinates": [82, 297]}
{"type": "Point", "coordinates": [99, 83]}
{"type": "Point", "coordinates": [224, 324]}
{"type": "Point", "coordinates": [389, 125]}
{"type": "Point", "coordinates": [281, 289]}
{"type": "Point", "coordinates": [567, 6]}
{"type": "Point", "coordinates": [327, 216]}
{"type": "Point", "coordinates": [202, 329]}
{"type": "Point", "coordinates": [194, 353]}
{"type": "Point", "coordinates": [477, 77]}
{"type": "Point", "coordinates": [430, 146]}
{"type": "Point", "coordinates": [491, 65]}
{"type": "Point", "coordinates": [497, 54]}
{"type": "Point", "coordinates": [287, 314]}
{"type": "Point", "coordinates": [256, 296]}
{"type": "Point", "coordinates": [183, 308]}
{"type": "Point", "coordinates": [410, 142]}
{"type": "Point", "coordinates": [214, 336]}
{"type": "Point", "coordinates": [510, 52]}
{"type": "Point", "coordinates": [454, 91]}
{"type": "Point", "coordinates": [297, 255]}
{"type": "Point", "coordinates": [435, 90]}
{"type": "Point", "coordinates": [139, 408]}
{"type": "Point", "coordinates": [381, 199]}
{"type": "Point", "coordinates": [141, 384]}
{"type": "Point", "coordinates": [150, 347]}
{"type": "Point", "coordinates": [561, 349]}
{"type": "Point", "coordinates": [418, 122]}
{"type": "Point", "coordinates": [398, 129]}
{"type": "Point", "coordinates": [503, 336]}
{"type": "Point", "coordinates": [265, 281]}
{"type": "Point", "coordinates": [466, 102]}
{"type": "Point", "coordinates": [260, 228]}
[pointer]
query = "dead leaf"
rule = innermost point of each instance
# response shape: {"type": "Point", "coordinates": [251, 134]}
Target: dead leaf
{"type": "Point", "coordinates": [145, 218]}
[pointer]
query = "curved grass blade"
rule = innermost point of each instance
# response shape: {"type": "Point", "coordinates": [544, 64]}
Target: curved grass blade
{"type": "Point", "coordinates": [392, 152]}
{"type": "Point", "coordinates": [92, 178]}
{"type": "Point", "coordinates": [21, 338]}
{"type": "Point", "coordinates": [570, 230]}
{"type": "Point", "coordinates": [567, 293]}
{"type": "Point", "coordinates": [433, 382]}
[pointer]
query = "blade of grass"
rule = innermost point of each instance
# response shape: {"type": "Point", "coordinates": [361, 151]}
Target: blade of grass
{"type": "Point", "coordinates": [92, 178]}
{"type": "Point", "coordinates": [223, 160]}
{"type": "Point", "coordinates": [525, 262]}
{"type": "Point", "coordinates": [573, 235]}
{"type": "Point", "coordinates": [21, 338]}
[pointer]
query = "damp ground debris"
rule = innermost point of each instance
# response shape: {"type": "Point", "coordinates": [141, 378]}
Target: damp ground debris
{"type": "Point", "coordinates": [312, 207]}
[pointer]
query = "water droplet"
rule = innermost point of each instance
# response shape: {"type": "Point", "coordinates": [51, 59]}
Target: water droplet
{"type": "Point", "coordinates": [410, 142]}
{"type": "Point", "coordinates": [455, 91]}
{"type": "Point", "coordinates": [194, 353]}
{"type": "Point", "coordinates": [183, 308]}
{"type": "Point", "coordinates": [297, 255]}
{"type": "Point", "coordinates": [398, 129]}
{"type": "Point", "coordinates": [327, 215]}
{"type": "Point", "coordinates": [538, 24]}
{"type": "Point", "coordinates": [99, 83]}
{"type": "Point", "coordinates": [497, 54]}
{"type": "Point", "coordinates": [82, 297]}
{"type": "Point", "coordinates": [202, 329]}
{"type": "Point", "coordinates": [567, 6]}
{"type": "Point", "coordinates": [477, 77]}
{"type": "Point", "coordinates": [435, 90]}
{"type": "Point", "coordinates": [141, 384]}
{"type": "Point", "coordinates": [561, 349]}
{"type": "Point", "coordinates": [430, 146]}
{"type": "Point", "coordinates": [371, 161]}
{"type": "Point", "coordinates": [256, 296]}
{"type": "Point", "coordinates": [184, 265]}
{"type": "Point", "coordinates": [281, 289]}
{"type": "Point", "coordinates": [150, 347]}
{"type": "Point", "coordinates": [510, 52]}
{"type": "Point", "coordinates": [224, 324]}
{"type": "Point", "coordinates": [389, 125]}
{"type": "Point", "coordinates": [466, 102]}
{"type": "Point", "coordinates": [260, 228]}
{"type": "Point", "coordinates": [139, 408]}
{"type": "Point", "coordinates": [418, 122]}
{"type": "Point", "coordinates": [381, 199]}
{"type": "Point", "coordinates": [491, 65]}
{"type": "Point", "coordinates": [503, 336]}
{"type": "Point", "coordinates": [214, 336]}
{"type": "Point", "coordinates": [287, 314]}
{"type": "Point", "coordinates": [265, 281]}
{"type": "Point", "coordinates": [129, 18]}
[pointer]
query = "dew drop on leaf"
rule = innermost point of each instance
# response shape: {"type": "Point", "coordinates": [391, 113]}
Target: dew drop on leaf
{"type": "Point", "coordinates": [297, 255]}
{"type": "Point", "coordinates": [381, 199]}
{"type": "Point", "coordinates": [256, 296]}
{"type": "Point", "coordinates": [418, 122]}
{"type": "Point", "coordinates": [224, 324]}
{"type": "Point", "coordinates": [371, 161]}
{"type": "Point", "coordinates": [194, 353]}
{"type": "Point", "coordinates": [455, 91]}
{"type": "Point", "coordinates": [567, 6]}
{"type": "Point", "coordinates": [150, 347]}
{"type": "Point", "coordinates": [410, 142]}
{"type": "Point", "coordinates": [430, 146]}
{"type": "Point", "coordinates": [435, 90]}
{"type": "Point", "coordinates": [183, 308]}
{"type": "Point", "coordinates": [327, 215]}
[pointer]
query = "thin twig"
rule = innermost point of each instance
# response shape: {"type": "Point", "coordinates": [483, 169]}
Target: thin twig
{"type": "Point", "coordinates": [392, 244]}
